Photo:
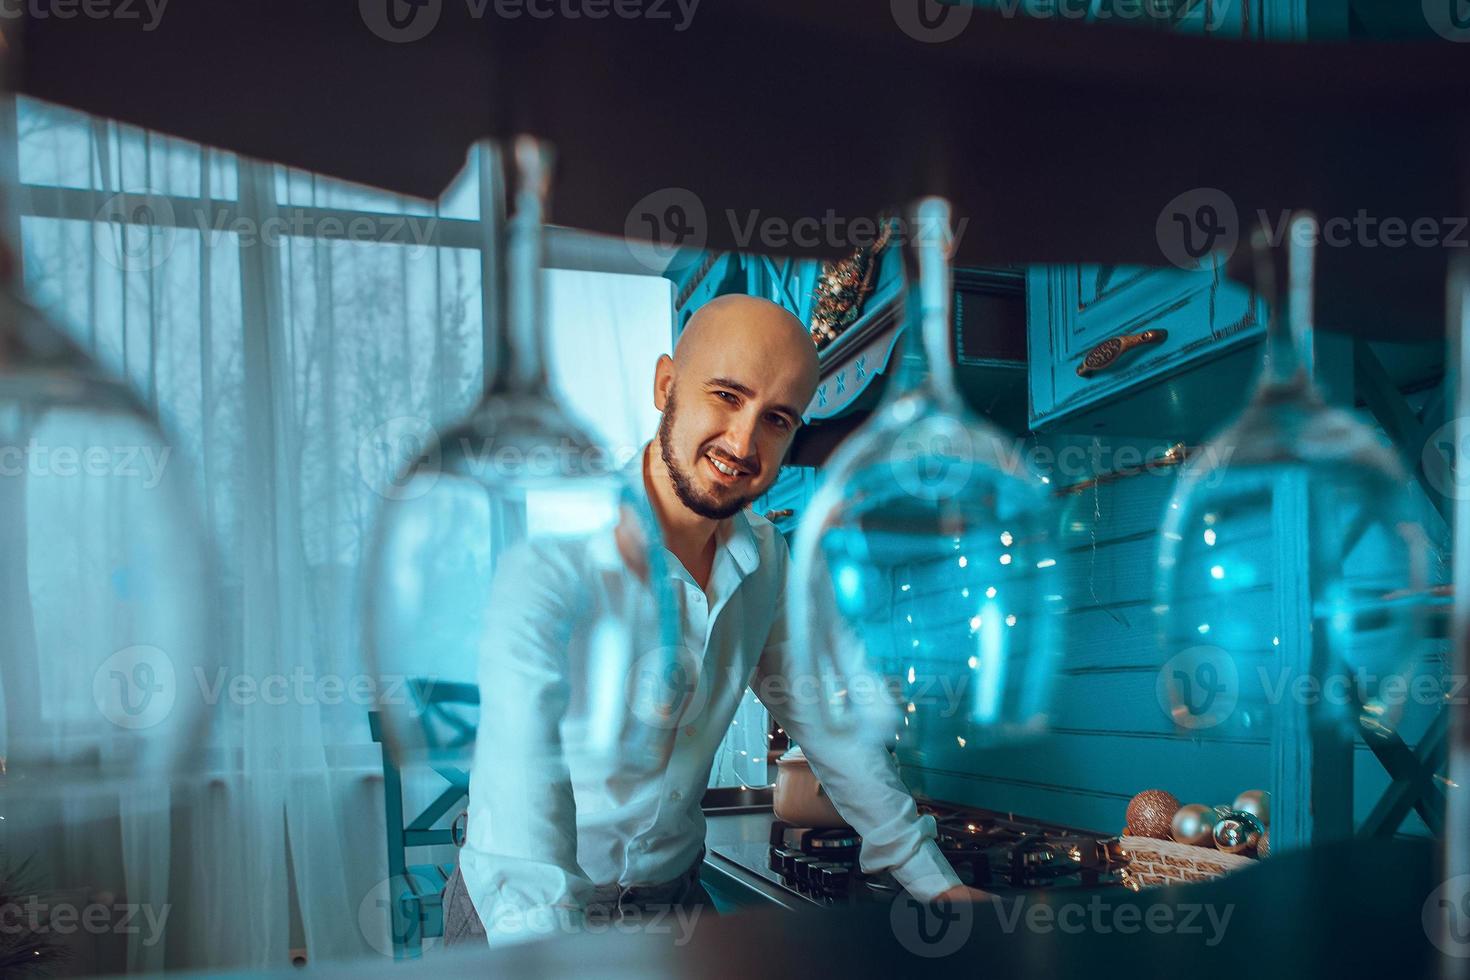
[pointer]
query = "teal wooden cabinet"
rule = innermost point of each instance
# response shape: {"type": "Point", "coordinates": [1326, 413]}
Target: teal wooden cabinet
{"type": "Point", "coordinates": [699, 277]}
{"type": "Point", "coordinates": [1098, 332]}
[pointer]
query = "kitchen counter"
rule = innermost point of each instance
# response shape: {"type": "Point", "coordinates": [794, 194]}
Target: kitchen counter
{"type": "Point", "coordinates": [1348, 909]}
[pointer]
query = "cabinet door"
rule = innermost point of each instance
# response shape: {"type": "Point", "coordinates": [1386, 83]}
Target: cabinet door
{"type": "Point", "coordinates": [1175, 318]}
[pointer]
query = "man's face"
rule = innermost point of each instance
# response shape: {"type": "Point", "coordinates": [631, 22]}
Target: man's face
{"type": "Point", "coordinates": [723, 437]}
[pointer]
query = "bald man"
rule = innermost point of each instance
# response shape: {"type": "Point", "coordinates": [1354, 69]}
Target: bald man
{"type": "Point", "coordinates": [556, 845]}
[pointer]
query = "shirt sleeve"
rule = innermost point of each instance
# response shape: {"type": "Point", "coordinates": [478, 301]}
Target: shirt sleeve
{"type": "Point", "coordinates": [857, 773]}
{"type": "Point", "coordinates": [519, 861]}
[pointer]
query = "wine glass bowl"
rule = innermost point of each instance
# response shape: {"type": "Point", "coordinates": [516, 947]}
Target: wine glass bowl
{"type": "Point", "coordinates": [105, 644]}
{"type": "Point", "coordinates": [924, 592]}
{"type": "Point", "coordinates": [512, 556]}
{"type": "Point", "coordinates": [1292, 561]}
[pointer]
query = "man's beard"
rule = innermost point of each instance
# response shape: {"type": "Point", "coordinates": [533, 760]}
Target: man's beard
{"type": "Point", "coordinates": [702, 504]}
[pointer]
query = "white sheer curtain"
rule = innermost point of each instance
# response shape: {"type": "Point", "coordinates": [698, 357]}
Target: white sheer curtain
{"type": "Point", "coordinates": [283, 327]}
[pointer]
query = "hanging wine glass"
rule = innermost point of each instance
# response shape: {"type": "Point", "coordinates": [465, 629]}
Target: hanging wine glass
{"type": "Point", "coordinates": [924, 589]}
{"type": "Point", "coordinates": [513, 563]}
{"type": "Point", "coordinates": [103, 634]}
{"type": "Point", "coordinates": [1292, 563]}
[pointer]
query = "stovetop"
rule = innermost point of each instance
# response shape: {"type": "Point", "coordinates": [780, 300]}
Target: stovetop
{"type": "Point", "coordinates": [997, 853]}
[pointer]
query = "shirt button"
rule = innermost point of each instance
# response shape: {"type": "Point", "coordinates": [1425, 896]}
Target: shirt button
{"type": "Point", "coordinates": [676, 796]}
{"type": "Point", "coordinates": [690, 730]}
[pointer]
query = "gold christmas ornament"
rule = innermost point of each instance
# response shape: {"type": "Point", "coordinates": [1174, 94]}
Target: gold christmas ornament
{"type": "Point", "coordinates": [1264, 847]}
{"type": "Point", "coordinates": [1151, 813]}
{"type": "Point", "coordinates": [1193, 825]}
{"type": "Point", "coordinates": [1256, 802]}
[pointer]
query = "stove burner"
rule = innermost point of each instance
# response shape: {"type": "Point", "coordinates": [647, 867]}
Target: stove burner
{"type": "Point", "coordinates": [987, 851]}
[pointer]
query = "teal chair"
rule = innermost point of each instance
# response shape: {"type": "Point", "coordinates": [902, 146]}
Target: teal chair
{"type": "Point", "coordinates": [416, 909]}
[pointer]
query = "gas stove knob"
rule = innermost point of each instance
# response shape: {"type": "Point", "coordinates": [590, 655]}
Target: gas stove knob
{"type": "Point", "coordinates": [836, 879]}
{"type": "Point", "coordinates": [801, 870]}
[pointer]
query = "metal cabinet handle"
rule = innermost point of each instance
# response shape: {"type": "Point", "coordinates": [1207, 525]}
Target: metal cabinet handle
{"type": "Point", "coordinates": [1106, 353]}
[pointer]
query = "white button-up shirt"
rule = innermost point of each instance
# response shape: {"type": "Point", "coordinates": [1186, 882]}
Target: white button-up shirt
{"type": "Point", "coordinates": [548, 824]}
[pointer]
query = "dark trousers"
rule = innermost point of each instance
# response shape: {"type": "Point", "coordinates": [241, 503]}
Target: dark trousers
{"type": "Point", "coordinates": [610, 903]}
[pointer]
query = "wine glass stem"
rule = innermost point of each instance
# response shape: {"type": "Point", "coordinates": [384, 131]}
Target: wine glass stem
{"type": "Point", "coordinates": [927, 355]}
{"type": "Point", "coordinates": [511, 269]}
{"type": "Point", "coordinates": [1289, 331]}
